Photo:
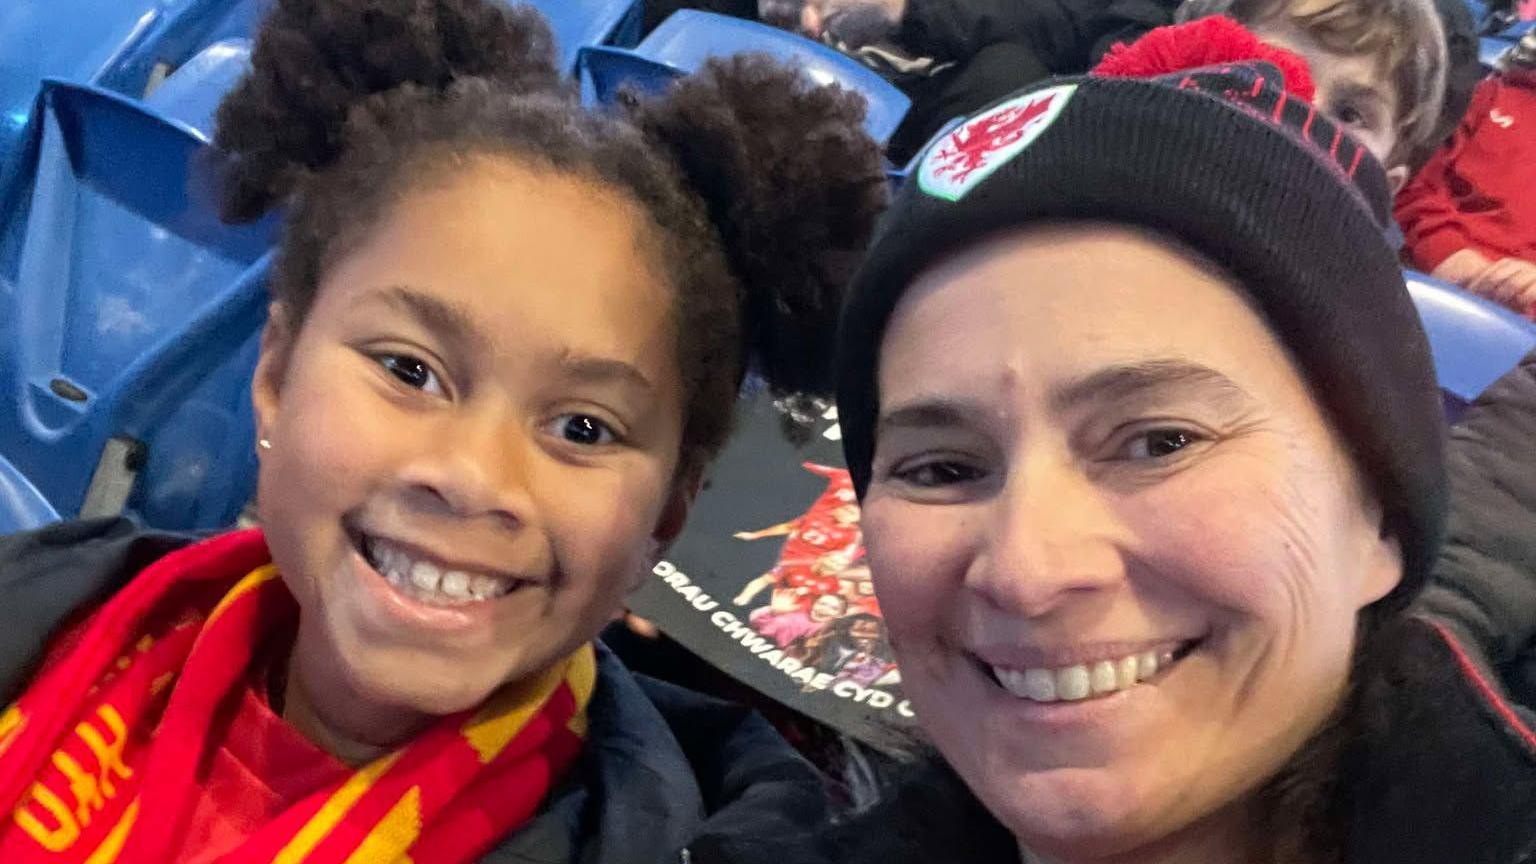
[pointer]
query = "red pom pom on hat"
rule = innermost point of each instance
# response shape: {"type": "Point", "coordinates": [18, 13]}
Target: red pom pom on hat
{"type": "Point", "coordinates": [1206, 42]}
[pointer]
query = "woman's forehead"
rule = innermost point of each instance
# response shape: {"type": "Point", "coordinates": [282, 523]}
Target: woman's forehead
{"type": "Point", "coordinates": [1071, 304]}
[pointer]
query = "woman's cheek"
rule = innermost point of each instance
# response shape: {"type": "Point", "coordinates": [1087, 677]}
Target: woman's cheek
{"type": "Point", "coordinates": [911, 564]}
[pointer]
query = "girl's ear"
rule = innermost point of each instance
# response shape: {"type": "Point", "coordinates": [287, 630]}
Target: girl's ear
{"type": "Point", "coordinates": [271, 367]}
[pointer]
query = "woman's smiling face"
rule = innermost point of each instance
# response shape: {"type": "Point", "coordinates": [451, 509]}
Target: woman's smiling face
{"type": "Point", "coordinates": [1119, 549]}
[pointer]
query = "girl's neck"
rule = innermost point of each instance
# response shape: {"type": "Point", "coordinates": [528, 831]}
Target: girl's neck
{"type": "Point", "coordinates": [327, 710]}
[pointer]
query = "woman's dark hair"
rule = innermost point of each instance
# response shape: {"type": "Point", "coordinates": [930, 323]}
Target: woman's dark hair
{"type": "Point", "coordinates": [761, 187]}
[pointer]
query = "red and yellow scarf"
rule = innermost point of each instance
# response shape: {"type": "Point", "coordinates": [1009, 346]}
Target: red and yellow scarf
{"type": "Point", "coordinates": [99, 757]}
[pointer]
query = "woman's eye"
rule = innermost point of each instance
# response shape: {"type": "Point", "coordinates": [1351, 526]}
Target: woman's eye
{"type": "Point", "coordinates": [1158, 444]}
{"type": "Point", "coordinates": [939, 474]}
{"type": "Point", "coordinates": [412, 372]}
{"type": "Point", "coordinates": [583, 429]}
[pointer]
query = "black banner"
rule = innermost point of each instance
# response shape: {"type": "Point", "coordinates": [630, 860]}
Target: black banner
{"type": "Point", "coordinates": [770, 583]}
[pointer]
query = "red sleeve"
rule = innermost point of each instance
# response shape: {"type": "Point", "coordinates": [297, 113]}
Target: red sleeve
{"type": "Point", "coordinates": [1426, 209]}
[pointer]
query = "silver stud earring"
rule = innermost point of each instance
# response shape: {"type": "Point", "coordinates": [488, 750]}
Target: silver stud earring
{"type": "Point", "coordinates": [264, 443]}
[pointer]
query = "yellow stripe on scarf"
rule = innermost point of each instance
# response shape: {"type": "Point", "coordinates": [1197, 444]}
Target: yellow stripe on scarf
{"type": "Point", "coordinates": [494, 726]}
{"type": "Point", "coordinates": [10, 722]}
{"type": "Point", "coordinates": [389, 840]}
{"type": "Point", "coordinates": [251, 581]}
{"type": "Point", "coordinates": [334, 810]}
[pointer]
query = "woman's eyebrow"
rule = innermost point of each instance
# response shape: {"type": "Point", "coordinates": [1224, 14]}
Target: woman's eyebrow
{"type": "Point", "coordinates": [1131, 380]}
{"type": "Point", "coordinates": [935, 412]}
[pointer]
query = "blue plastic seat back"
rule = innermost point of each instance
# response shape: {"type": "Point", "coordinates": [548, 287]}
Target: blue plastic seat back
{"type": "Point", "coordinates": [1517, 31]}
{"type": "Point", "coordinates": [604, 70]}
{"type": "Point", "coordinates": [1490, 49]}
{"type": "Point", "coordinates": [189, 402]}
{"type": "Point", "coordinates": [186, 30]}
{"type": "Point", "coordinates": [193, 92]}
{"type": "Point", "coordinates": [582, 23]}
{"type": "Point", "coordinates": [688, 38]}
{"type": "Point", "coordinates": [22, 507]}
{"type": "Point", "coordinates": [1474, 342]}
{"type": "Point", "coordinates": [117, 256]}
{"type": "Point", "coordinates": [74, 39]}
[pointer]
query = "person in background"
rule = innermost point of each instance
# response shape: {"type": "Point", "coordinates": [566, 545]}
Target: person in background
{"type": "Point", "coordinates": [505, 341]}
{"type": "Point", "coordinates": [1469, 217]}
{"type": "Point", "coordinates": [955, 56]}
{"type": "Point", "coordinates": [1379, 66]}
{"type": "Point", "coordinates": [1153, 471]}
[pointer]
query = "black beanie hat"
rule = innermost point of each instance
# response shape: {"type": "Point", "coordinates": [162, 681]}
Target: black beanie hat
{"type": "Point", "coordinates": [1228, 162]}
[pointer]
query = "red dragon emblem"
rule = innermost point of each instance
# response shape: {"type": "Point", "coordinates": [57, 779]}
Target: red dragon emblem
{"type": "Point", "coordinates": [967, 148]}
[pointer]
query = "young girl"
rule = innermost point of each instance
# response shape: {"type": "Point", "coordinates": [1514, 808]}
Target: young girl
{"type": "Point", "coordinates": [505, 340]}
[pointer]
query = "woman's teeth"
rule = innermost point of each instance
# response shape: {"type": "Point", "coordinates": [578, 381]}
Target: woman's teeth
{"type": "Point", "coordinates": [427, 582]}
{"type": "Point", "coordinates": [1083, 681]}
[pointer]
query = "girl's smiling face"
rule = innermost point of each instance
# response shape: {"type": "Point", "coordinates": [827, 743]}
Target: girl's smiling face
{"type": "Point", "coordinates": [475, 437]}
{"type": "Point", "coordinates": [1119, 549]}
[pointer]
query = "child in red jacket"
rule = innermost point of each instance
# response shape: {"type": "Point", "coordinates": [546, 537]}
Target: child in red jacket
{"type": "Point", "coordinates": [1469, 216]}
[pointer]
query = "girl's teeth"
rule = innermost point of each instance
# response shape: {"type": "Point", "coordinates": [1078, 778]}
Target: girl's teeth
{"type": "Point", "coordinates": [483, 587]}
{"type": "Point", "coordinates": [1073, 683]}
{"type": "Point", "coordinates": [425, 576]}
{"type": "Point", "coordinates": [455, 585]}
{"type": "Point", "coordinates": [429, 583]}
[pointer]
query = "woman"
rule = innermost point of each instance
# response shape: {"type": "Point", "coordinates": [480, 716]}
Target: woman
{"type": "Point", "coordinates": [1149, 447]}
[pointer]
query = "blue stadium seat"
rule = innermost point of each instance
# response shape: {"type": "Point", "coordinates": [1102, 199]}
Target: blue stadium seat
{"type": "Point", "coordinates": [582, 23]}
{"type": "Point", "coordinates": [1474, 342]}
{"type": "Point", "coordinates": [193, 92]}
{"type": "Point", "coordinates": [604, 70]}
{"type": "Point", "coordinates": [129, 318]}
{"type": "Point", "coordinates": [1516, 31]}
{"type": "Point", "coordinates": [22, 507]}
{"type": "Point", "coordinates": [687, 38]}
{"type": "Point", "coordinates": [1490, 49]}
{"type": "Point", "coordinates": [122, 45]}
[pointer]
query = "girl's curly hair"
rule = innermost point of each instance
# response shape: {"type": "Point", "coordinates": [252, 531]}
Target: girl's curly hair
{"type": "Point", "coordinates": [761, 186]}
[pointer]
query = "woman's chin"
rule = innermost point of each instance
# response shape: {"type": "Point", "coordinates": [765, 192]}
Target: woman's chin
{"type": "Point", "coordinates": [1074, 811]}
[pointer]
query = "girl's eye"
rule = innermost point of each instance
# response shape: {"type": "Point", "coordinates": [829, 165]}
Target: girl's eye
{"type": "Point", "coordinates": [583, 429]}
{"type": "Point", "coordinates": [1157, 444]}
{"type": "Point", "coordinates": [938, 474]}
{"type": "Point", "coordinates": [412, 372]}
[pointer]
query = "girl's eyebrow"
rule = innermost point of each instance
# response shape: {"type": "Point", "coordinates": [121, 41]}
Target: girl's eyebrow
{"type": "Point", "coordinates": [603, 370]}
{"type": "Point", "coordinates": [448, 321]}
